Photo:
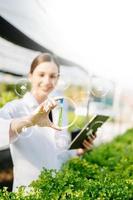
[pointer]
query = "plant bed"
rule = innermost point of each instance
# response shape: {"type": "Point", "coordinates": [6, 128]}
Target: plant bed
{"type": "Point", "coordinates": [106, 173]}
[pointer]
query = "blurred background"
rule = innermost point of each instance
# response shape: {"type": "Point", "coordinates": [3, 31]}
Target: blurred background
{"type": "Point", "coordinates": [94, 45]}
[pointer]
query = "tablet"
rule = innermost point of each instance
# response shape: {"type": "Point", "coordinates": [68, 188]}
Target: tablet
{"type": "Point", "coordinates": [89, 129]}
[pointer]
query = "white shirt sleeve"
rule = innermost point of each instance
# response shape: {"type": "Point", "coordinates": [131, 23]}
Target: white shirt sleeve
{"type": "Point", "coordinates": [5, 121]}
{"type": "Point", "coordinates": [66, 155]}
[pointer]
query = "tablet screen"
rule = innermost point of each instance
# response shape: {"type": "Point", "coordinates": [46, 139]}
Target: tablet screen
{"type": "Point", "coordinates": [90, 128]}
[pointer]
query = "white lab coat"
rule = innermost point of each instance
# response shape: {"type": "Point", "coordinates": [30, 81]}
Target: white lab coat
{"type": "Point", "coordinates": [33, 149]}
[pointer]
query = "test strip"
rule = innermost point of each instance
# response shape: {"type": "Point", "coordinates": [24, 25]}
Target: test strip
{"type": "Point", "coordinates": [60, 112]}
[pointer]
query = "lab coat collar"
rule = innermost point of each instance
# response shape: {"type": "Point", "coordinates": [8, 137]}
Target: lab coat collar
{"type": "Point", "coordinates": [30, 100]}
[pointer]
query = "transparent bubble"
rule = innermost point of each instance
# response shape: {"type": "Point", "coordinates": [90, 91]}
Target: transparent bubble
{"type": "Point", "coordinates": [65, 112]}
{"type": "Point", "coordinates": [87, 84]}
{"type": "Point", "coordinates": [94, 127]}
{"type": "Point", "coordinates": [63, 84]}
{"type": "Point", "coordinates": [22, 86]}
{"type": "Point", "coordinates": [100, 87]}
{"type": "Point", "coordinates": [62, 141]}
{"type": "Point", "coordinates": [64, 81]}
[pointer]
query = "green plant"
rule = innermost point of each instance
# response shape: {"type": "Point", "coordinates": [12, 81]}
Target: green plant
{"type": "Point", "coordinates": [106, 173]}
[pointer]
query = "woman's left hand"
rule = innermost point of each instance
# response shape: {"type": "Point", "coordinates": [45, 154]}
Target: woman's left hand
{"type": "Point", "coordinates": [88, 144]}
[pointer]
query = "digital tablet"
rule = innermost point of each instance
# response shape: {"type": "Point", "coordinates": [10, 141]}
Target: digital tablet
{"type": "Point", "coordinates": [89, 129]}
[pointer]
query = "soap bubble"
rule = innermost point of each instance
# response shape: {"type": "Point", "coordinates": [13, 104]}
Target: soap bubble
{"type": "Point", "coordinates": [62, 141]}
{"type": "Point", "coordinates": [63, 84]}
{"type": "Point", "coordinates": [94, 127]}
{"type": "Point", "coordinates": [22, 86]}
{"type": "Point", "coordinates": [100, 87]}
{"type": "Point", "coordinates": [64, 81]}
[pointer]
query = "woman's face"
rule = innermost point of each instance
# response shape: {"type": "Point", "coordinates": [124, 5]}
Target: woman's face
{"type": "Point", "coordinates": [44, 78]}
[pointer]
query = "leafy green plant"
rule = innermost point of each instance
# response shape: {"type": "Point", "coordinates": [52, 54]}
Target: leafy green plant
{"type": "Point", "coordinates": [106, 173]}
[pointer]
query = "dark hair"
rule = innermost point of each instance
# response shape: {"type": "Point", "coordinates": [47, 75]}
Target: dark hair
{"type": "Point", "coordinates": [44, 57]}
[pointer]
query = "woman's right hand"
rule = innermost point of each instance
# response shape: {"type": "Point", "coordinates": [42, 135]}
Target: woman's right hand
{"type": "Point", "coordinates": [40, 116]}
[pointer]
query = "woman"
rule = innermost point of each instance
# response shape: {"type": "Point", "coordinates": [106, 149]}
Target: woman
{"type": "Point", "coordinates": [37, 147]}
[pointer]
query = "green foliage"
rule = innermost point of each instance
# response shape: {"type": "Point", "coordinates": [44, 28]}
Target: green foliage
{"type": "Point", "coordinates": [79, 123]}
{"type": "Point", "coordinates": [7, 93]}
{"type": "Point", "coordinates": [6, 97]}
{"type": "Point", "coordinates": [106, 173]}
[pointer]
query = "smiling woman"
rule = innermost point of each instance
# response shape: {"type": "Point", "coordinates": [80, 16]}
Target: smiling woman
{"type": "Point", "coordinates": [44, 74]}
{"type": "Point", "coordinates": [28, 127]}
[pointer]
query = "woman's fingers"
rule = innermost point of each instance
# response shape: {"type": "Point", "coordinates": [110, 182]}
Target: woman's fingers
{"type": "Point", "coordinates": [52, 102]}
{"type": "Point", "coordinates": [80, 152]}
{"type": "Point", "coordinates": [48, 104]}
{"type": "Point", "coordinates": [88, 144]}
{"type": "Point", "coordinates": [52, 125]}
{"type": "Point", "coordinates": [93, 136]}
{"type": "Point", "coordinates": [89, 140]}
